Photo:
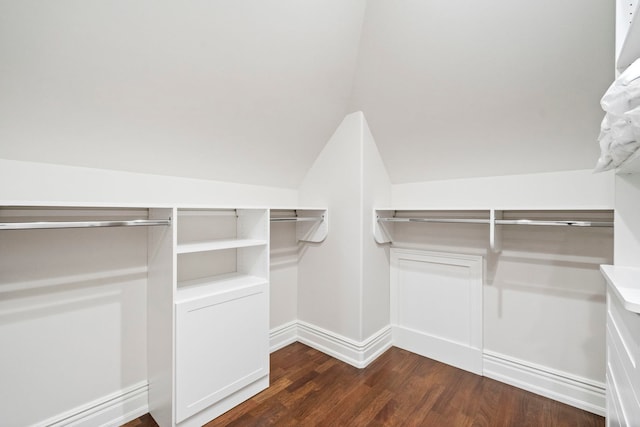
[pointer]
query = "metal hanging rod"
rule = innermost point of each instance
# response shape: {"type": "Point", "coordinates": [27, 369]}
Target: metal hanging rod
{"type": "Point", "coordinates": [570, 223]}
{"type": "Point", "coordinates": [555, 223]}
{"type": "Point", "coordinates": [297, 218]}
{"type": "Point", "coordinates": [81, 224]}
{"type": "Point", "coordinates": [438, 220]}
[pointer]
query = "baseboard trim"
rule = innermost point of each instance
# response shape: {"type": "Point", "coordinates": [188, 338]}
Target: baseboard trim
{"type": "Point", "coordinates": [112, 410]}
{"type": "Point", "coordinates": [436, 348]}
{"type": "Point", "coordinates": [283, 335]}
{"type": "Point", "coordinates": [566, 388]}
{"type": "Point", "coordinates": [358, 354]}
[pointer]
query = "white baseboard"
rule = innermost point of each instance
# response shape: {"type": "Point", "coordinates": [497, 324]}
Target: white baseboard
{"type": "Point", "coordinates": [358, 354]}
{"type": "Point", "coordinates": [436, 348]}
{"type": "Point", "coordinates": [566, 388]}
{"type": "Point", "coordinates": [283, 335]}
{"type": "Point", "coordinates": [109, 411]}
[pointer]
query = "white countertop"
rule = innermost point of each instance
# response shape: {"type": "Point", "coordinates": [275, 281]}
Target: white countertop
{"type": "Point", "coordinates": [625, 282]}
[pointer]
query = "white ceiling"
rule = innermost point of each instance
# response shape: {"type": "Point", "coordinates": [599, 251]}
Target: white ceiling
{"type": "Point", "coordinates": [251, 90]}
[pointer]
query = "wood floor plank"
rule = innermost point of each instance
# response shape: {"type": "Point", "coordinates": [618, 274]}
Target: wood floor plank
{"type": "Point", "coordinates": [309, 388]}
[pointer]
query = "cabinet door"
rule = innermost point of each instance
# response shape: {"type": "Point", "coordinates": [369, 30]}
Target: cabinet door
{"type": "Point", "coordinates": [221, 346]}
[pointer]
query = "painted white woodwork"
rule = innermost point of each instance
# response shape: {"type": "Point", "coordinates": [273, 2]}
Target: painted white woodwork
{"type": "Point", "coordinates": [44, 184]}
{"type": "Point", "coordinates": [211, 290]}
{"type": "Point", "coordinates": [342, 283]}
{"type": "Point", "coordinates": [624, 284]}
{"type": "Point", "coordinates": [448, 95]}
{"type": "Point", "coordinates": [354, 352]}
{"type": "Point", "coordinates": [623, 370]}
{"type": "Point", "coordinates": [217, 245]}
{"type": "Point", "coordinates": [574, 390]}
{"type": "Point", "coordinates": [72, 319]}
{"type": "Point", "coordinates": [436, 306]}
{"type": "Point", "coordinates": [161, 293]}
{"type": "Point", "coordinates": [579, 189]}
{"type": "Point", "coordinates": [221, 346]}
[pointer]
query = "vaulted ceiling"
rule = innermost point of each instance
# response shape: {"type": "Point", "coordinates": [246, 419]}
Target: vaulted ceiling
{"type": "Point", "coordinates": [250, 90]}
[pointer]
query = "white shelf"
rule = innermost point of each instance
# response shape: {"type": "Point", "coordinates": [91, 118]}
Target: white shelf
{"type": "Point", "coordinates": [217, 245]}
{"type": "Point", "coordinates": [625, 282]}
{"type": "Point", "coordinates": [199, 288]}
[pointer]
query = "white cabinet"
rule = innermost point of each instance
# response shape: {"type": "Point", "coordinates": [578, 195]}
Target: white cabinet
{"type": "Point", "coordinates": [623, 346]}
{"type": "Point", "coordinates": [219, 315]}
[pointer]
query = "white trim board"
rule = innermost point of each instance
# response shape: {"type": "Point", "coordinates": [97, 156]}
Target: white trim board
{"type": "Point", "coordinates": [436, 306]}
{"type": "Point", "coordinates": [112, 410]}
{"type": "Point", "coordinates": [283, 335]}
{"type": "Point", "coordinates": [356, 353]}
{"type": "Point", "coordinates": [571, 389]}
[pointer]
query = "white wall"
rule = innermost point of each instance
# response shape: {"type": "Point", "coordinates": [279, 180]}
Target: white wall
{"type": "Point", "coordinates": [283, 275]}
{"type": "Point", "coordinates": [344, 282]}
{"type": "Point", "coordinates": [376, 191]}
{"type": "Point", "coordinates": [28, 182]}
{"type": "Point", "coordinates": [627, 247]}
{"type": "Point", "coordinates": [329, 291]}
{"type": "Point", "coordinates": [72, 319]}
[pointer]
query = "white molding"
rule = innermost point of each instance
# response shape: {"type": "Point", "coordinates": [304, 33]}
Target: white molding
{"type": "Point", "coordinates": [446, 351]}
{"type": "Point", "coordinates": [358, 354]}
{"type": "Point", "coordinates": [109, 411]}
{"type": "Point", "coordinates": [283, 335]}
{"type": "Point", "coordinates": [449, 349]}
{"type": "Point", "coordinates": [567, 388]}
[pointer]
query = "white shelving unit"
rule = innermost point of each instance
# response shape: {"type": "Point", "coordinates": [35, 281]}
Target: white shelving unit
{"type": "Point", "coordinates": [208, 284]}
{"type": "Point", "coordinates": [385, 220]}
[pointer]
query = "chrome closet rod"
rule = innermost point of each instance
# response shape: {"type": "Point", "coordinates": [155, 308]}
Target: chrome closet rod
{"type": "Point", "coordinates": [296, 219]}
{"type": "Point", "coordinates": [81, 224]}
{"type": "Point", "coordinates": [569, 223]}
{"type": "Point", "coordinates": [440, 220]}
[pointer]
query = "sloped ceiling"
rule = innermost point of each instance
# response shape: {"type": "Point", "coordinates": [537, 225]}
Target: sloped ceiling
{"type": "Point", "coordinates": [250, 91]}
{"type": "Point", "coordinates": [236, 90]}
{"type": "Point", "coordinates": [484, 88]}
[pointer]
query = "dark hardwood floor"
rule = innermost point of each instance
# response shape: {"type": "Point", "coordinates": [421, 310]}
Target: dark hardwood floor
{"type": "Point", "coordinates": [309, 388]}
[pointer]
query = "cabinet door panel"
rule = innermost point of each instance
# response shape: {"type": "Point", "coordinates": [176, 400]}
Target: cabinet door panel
{"type": "Point", "coordinates": [221, 347]}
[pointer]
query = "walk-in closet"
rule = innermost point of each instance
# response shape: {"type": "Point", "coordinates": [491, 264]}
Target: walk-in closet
{"type": "Point", "coordinates": [217, 212]}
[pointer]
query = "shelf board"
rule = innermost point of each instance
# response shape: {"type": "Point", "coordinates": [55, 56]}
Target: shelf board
{"type": "Point", "coordinates": [625, 282]}
{"type": "Point", "coordinates": [193, 289]}
{"type": "Point", "coordinates": [217, 245]}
